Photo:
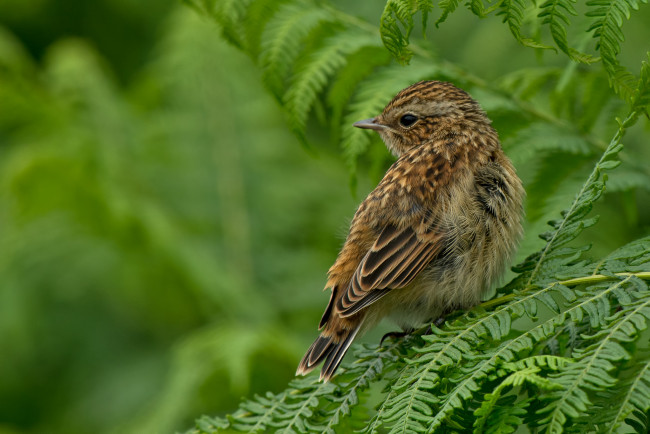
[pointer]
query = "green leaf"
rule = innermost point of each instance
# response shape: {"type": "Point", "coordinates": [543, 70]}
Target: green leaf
{"type": "Point", "coordinates": [282, 38]}
{"type": "Point", "coordinates": [609, 17]}
{"type": "Point", "coordinates": [513, 12]}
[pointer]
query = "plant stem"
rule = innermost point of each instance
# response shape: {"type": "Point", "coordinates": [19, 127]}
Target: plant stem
{"type": "Point", "coordinates": [595, 278]}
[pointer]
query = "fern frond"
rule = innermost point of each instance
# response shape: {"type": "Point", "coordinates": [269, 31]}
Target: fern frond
{"type": "Point", "coordinates": [312, 76]}
{"type": "Point", "coordinates": [572, 222]}
{"type": "Point", "coordinates": [555, 16]}
{"type": "Point", "coordinates": [636, 398]}
{"type": "Point", "coordinates": [357, 377]}
{"type": "Point", "coordinates": [478, 8]}
{"type": "Point", "coordinates": [359, 66]}
{"type": "Point", "coordinates": [417, 383]}
{"type": "Point", "coordinates": [448, 7]}
{"type": "Point", "coordinates": [538, 137]}
{"type": "Point", "coordinates": [518, 373]}
{"type": "Point", "coordinates": [288, 411]}
{"type": "Point", "coordinates": [253, 24]}
{"type": "Point", "coordinates": [499, 414]}
{"type": "Point", "coordinates": [294, 410]}
{"type": "Point", "coordinates": [489, 362]}
{"type": "Point", "coordinates": [425, 7]}
{"type": "Point", "coordinates": [396, 24]}
{"type": "Point", "coordinates": [396, 40]}
{"type": "Point", "coordinates": [282, 40]}
{"type": "Point", "coordinates": [641, 96]}
{"type": "Point", "coordinates": [631, 257]}
{"type": "Point", "coordinates": [506, 416]}
{"type": "Point", "coordinates": [206, 424]}
{"type": "Point", "coordinates": [540, 361]}
{"type": "Point", "coordinates": [593, 370]}
{"type": "Point", "coordinates": [229, 13]}
{"type": "Point", "coordinates": [513, 12]}
{"type": "Point", "coordinates": [594, 304]}
{"type": "Point", "coordinates": [639, 421]}
{"type": "Point", "coordinates": [607, 30]}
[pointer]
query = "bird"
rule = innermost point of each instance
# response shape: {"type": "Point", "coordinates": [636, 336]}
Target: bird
{"type": "Point", "coordinates": [436, 232]}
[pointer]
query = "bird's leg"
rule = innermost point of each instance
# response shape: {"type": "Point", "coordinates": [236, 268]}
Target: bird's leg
{"type": "Point", "coordinates": [396, 335]}
{"type": "Point", "coordinates": [440, 321]}
{"type": "Point", "coordinates": [409, 331]}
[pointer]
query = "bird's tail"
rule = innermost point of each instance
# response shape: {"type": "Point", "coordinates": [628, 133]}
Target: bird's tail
{"type": "Point", "coordinates": [331, 349]}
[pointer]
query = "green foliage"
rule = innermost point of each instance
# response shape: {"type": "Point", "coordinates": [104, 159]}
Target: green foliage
{"type": "Point", "coordinates": [301, 408]}
{"type": "Point", "coordinates": [609, 17]}
{"type": "Point", "coordinates": [308, 52]}
{"type": "Point", "coordinates": [513, 13]}
{"type": "Point", "coordinates": [164, 237]}
{"type": "Point", "coordinates": [556, 16]}
{"type": "Point", "coordinates": [563, 346]}
{"type": "Point", "coordinates": [397, 23]}
{"type": "Point", "coordinates": [136, 225]}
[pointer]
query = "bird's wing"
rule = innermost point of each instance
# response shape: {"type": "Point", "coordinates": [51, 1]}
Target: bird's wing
{"type": "Point", "coordinates": [396, 257]}
{"type": "Point", "coordinates": [405, 213]}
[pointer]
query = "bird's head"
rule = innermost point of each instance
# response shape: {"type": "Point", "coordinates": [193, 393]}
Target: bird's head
{"type": "Point", "coordinates": [423, 112]}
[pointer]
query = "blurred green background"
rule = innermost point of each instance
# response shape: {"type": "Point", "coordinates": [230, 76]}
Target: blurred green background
{"type": "Point", "coordinates": [164, 238]}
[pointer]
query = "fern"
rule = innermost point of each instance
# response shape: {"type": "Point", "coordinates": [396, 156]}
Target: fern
{"type": "Point", "coordinates": [560, 341]}
{"type": "Point", "coordinates": [641, 95]}
{"type": "Point", "coordinates": [606, 28]}
{"type": "Point", "coordinates": [295, 408]}
{"type": "Point", "coordinates": [555, 14]}
{"type": "Point", "coordinates": [594, 364]}
{"type": "Point", "coordinates": [478, 8]}
{"type": "Point", "coordinates": [523, 371]}
{"type": "Point", "coordinates": [422, 399]}
{"type": "Point", "coordinates": [513, 12]}
{"type": "Point", "coordinates": [282, 38]}
{"type": "Point", "coordinates": [303, 48]}
{"type": "Point", "coordinates": [396, 40]}
{"type": "Point", "coordinates": [358, 68]}
{"type": "Point", "coordinates": [229, 13]}
{"type": "Point", "coordinates": [634, 396]}
{"type": "Point", "coordinates": [311, 77]}
{"type": "Point", "coordinates": [572, 223]}
{"type": "Point", "coordinates": [448, 7]}
{"type": "Point", "coordinates": [540, 137]}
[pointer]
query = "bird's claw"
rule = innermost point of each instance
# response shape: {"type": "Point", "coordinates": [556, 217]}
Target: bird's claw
{"type": "Point", "coordinates": [395, 335]}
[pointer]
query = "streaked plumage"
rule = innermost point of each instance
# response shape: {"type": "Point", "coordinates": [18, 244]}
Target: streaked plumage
{"type": "Point", "coordinates": [436, 232]}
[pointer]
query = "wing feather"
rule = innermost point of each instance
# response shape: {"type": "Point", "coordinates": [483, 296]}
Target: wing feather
{"type": "Point", "coordinates": [396, 257]}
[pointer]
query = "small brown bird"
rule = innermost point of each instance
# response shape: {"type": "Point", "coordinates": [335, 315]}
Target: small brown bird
{"type": "Point", "coordinates": [437, 231]}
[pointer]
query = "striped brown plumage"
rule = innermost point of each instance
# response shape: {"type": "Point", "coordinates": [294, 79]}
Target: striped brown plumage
{"type": "Point", "coordinates": [435, 233]}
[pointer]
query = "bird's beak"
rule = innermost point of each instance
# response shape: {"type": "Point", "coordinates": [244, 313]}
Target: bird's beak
{"type": "Point", "coordinates": [370, 124]}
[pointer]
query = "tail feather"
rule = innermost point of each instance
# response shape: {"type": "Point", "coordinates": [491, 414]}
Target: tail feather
{"type": "Point", "coordinates": [324, 348]}
{"type": "Point", "coordinates": [318, 350]}
{"type": "Point", "coordinates": [334, 358]}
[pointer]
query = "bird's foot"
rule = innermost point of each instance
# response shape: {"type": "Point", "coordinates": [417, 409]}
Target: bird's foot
{"type": "Point", "coordinates": [395, 335]}
{"type": "Point", "coordinates": [440, 321]}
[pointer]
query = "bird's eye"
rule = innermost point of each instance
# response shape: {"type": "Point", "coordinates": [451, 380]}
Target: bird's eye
{"type": "Point", "coordinates": [407, 120]}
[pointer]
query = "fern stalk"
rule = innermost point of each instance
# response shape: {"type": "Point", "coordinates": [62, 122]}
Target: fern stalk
{"type": "Point", "coordinates": [594, 278]}
{"type": "Point", "coordinates": [613, 148]}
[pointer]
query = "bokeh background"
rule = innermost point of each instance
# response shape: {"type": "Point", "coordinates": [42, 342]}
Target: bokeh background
{"type": "Point", "coordinates": [164, 238]}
